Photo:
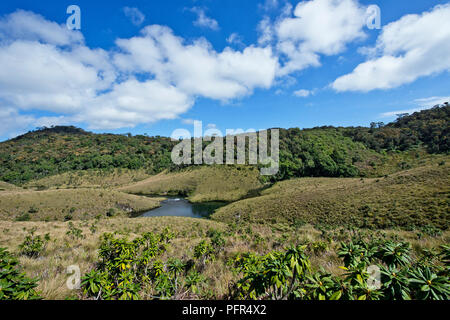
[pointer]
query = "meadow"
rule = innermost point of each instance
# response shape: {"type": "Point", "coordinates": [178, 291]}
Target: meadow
{"type": "Point", "coordinates": [345, 200]}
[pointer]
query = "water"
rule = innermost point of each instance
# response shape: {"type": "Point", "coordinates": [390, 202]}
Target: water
{"type": "Point", "coordinates": [180, 207]}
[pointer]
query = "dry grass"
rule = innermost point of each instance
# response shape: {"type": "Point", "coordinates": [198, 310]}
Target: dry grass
{"type": "Point", "coordinates": [4, 186]}
{"type": "Point", "coordinates": [89, 178]}
{"type": "Point", "coordinates": [63, 251]}
{"type": "Point", "coordinates": [414, 197]}
{"type": "Point", "coordinates": [208, 183]}
{"type": "Point", "coordinates": [77, 203]}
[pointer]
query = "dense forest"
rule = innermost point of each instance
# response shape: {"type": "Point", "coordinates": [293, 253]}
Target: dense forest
{"type": "Point", "coordinates": [321, 151]}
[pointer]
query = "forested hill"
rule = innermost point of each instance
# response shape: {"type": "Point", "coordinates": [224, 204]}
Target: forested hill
{"type": "Point", "coordinates": [321, 151]}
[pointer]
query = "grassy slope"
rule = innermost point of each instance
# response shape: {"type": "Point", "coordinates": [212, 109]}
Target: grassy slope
{"type": "Point", "coordinates": [202, 184]}
{"type": "Point", "coordinates": [89, 178]}
{"type": "Point", "coordinates": [414, 197]}
{"type": "Point", "coordinates": [79, 203]}
{"type": "Point", "coordinates": [4, 186]}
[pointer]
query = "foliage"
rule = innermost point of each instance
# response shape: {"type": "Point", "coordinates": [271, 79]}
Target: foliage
{"type": "Point", "coordinates": [325, 151]}
{"type": "Point", "coordinates": [287, 275]}
{"type": "Point", "coordinates": [126, 267]}
{"type": "Point", "coordinates": [14, 285]}
{"type": "Point", "coordinates": [33, 245]}
{"type": "Point", "coordinates": [74, 232]}
{"type": "Point", "coordinates": [427, 127]}
{"type": "Point", "coordinates": [50, 151]}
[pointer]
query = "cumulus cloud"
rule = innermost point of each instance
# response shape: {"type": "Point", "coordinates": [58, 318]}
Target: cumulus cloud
{"type": "Point", "coordinates": [414, 46]}
{"type": "Point", "coordinates": [208, 73]}
{"type": "Point", "coordinates": [203, 20]}
{"type": "Point", "coordinates": [156, 75]}
{"type": "Point", "coordinates": [28, 26]}
{"type": "Point", "coordinates": [316, 27]}
{"type": "Point", "coordinates": [135, 15]}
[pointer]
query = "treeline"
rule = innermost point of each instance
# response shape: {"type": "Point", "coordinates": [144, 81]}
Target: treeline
{"type": "Point", "coordinates": [50, 151]}
{"type": "Point", "coordinates": [341, 152]}
{"type": "Point", "coordinates": [322, 151]}
{"type": "Point", "coordinates": [429, 128]}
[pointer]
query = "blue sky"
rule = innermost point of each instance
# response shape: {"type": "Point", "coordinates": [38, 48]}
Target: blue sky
{"type": "Point", "coordinates": [230, 64]}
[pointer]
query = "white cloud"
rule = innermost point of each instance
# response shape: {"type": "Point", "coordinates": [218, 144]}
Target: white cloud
{"type": "Point", "coordinates": [235, 38]}
{"type": "Point", "coordinates": [391, 114]}
{"type": "Point", "coordinates": [268, 5]}
{"type": "Point", "coordinates": [422, 104]}
{"type": "Point", "coordinates": [265, 29]}
{"type": "Point", "coordinates": [303, 93]}
{"type": "Point", "coordinates": [432, 101]}
{"type": "Point", "coordinates": [203, 20]}
{"type": "Point", "coordinates": [45, 68]}
{"type": "Point", "coordinates": [36, 75]}
{"type": "Point", "coordinates": [132, 102]}
{"type": "Point", "coordinates": [135, 15]}
{"type": "Point", "coordinates": [12, 122]}
{"type": "Point", "coordinates": [28, 26]}
{"type": "Point", "coordinates": [411, 47]}
{"type": "Point", "coordinates": [317, 27]}
{"type": "Point", "coordinates": [226, 75]}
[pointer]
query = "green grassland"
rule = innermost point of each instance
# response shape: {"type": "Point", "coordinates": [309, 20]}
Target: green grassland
{"type": "Point", "coordinates": [206, 183]}
{"type": "Point", "coordinates": [70, 204]}
{"type": "Point", "coordinates": [411, 198]}
{"type": "Point", "coordinates": [92, 178]}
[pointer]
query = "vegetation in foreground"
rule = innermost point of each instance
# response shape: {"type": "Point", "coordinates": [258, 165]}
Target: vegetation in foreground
{"type": "Point", "coordinates": [307, 233]}
{"type": "Point", "coordinates": [184, 258]}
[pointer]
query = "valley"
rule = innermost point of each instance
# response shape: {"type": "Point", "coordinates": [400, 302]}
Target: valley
{"type": "Point", "coordinates": [67, 201]}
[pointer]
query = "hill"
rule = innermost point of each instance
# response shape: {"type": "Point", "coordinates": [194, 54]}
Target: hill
{"type": "Point", "coordinates": [322, 151]}
{"type": "Point", "coordinates": [7, 186]}
{"type": "Point", "coordinates": [412, 198]}
{"type": "Point", "coordinates": [94, 178]}
{"type": "Point", "coordinates": [70, 204]}
{"type": "Point", "coordinates": [56, 150]}
{"type": "Point", "coordinates": [205, 183]}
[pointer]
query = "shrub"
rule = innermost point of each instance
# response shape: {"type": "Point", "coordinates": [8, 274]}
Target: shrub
{"type": "Point", "coordinates": [33, 245]}
{"type": "Point", "coordinates": [126, 267]}
{"type": "Point", "coordinates": [74, 232]}
{"type": "Point", "coordinates": [14, 285]}
{"type": "Point", "coordinates": [286, 274]}
{"type": "Point", "coordinates": [23, 217]}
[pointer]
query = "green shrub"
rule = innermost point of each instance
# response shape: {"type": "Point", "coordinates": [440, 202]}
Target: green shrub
{"type": "Point", "coordinates": [126, 267]}
{"type": "Point", "coordinates": [14, 285]}
{"type": "Point", "coordinates": [33, 245]}
{"type": "Point", "coordinates": [74, 232]}
{"type": "Point", "coordinates": [23, 217]}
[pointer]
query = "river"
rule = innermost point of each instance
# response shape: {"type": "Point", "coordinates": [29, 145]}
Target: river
{"type": "Point", "coordinates": [180, 207]}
